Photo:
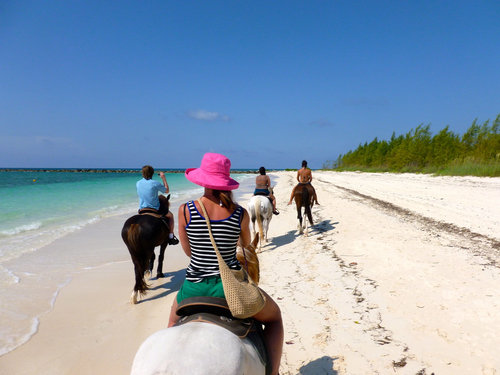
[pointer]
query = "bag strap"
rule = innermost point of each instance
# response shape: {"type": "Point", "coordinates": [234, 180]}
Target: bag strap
{"type": "Point", "coordinates": [207, 220]}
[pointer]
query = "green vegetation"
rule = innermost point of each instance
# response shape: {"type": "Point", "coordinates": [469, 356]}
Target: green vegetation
{"type": "Point", "coordinates": [476, 152]}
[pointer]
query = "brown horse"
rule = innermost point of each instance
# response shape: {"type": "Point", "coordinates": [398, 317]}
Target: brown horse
{"type": "Point", "coordinates": [142, 233]}
{"type": "Point", "coordinates": [304, 197]}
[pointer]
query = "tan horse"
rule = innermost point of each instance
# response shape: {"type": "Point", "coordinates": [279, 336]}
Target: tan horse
{"type": "Point", "coordinates": [249, 260]}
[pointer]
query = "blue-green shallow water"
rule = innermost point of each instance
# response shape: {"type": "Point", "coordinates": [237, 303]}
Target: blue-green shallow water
{"type": "Point", "coordinates": [37, 208]}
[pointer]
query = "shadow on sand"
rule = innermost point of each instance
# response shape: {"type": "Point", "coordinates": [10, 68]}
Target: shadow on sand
{"type": "Point", "coordinates": [282, 240]}
{"type": "Point", "coordinates": [172, 285]}
{"type": "Point", "coordinates": [290, 236]}
{"type": "Point", "coordinates": [320, 366]}
{"type": "Point", "coordinates": [324, 226]}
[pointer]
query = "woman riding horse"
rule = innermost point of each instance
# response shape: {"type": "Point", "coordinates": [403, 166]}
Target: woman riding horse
{"type": "Point", "coordinates": [263, 187]}
{"type": "Point", "coordinates": [230, 224]}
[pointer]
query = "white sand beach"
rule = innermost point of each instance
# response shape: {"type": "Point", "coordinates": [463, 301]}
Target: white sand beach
{"type": "Point", "coordinates": [399, 275]}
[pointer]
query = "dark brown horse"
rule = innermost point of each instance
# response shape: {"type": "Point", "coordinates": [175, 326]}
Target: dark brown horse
{"type": "Point", "coordinates": [304, 197]}
{"type": "Point", "coordinates": [142, 233]}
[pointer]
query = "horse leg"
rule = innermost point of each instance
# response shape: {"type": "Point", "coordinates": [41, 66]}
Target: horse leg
{"type": "Point", "coordinates": [140, 285]}
{"type": "Point", "coordinates": [306, 203]}
{"type": "Point", "coordinates": [309, 212]}
{"type": "Point", "coordinates": [306, 220]}
{"type": "Point", "coordinates": [309, 220]}
{"type": "Point", "coordinates": [253, 227]}
{"type": "Point", "coordinates": [140, 267]}
{"type": "Point", "coordinates": [267, 222]}
{"type": "Point", "coordinates": [258, 215]}
{"type": "Point", "coordinates": [299, 216]}
{"type": "Point", "coordinates": [138, 278]}
{"type": "Point", "coordinates": [149, 271]}
{"type": "Point", "coordinates": [159, 270]}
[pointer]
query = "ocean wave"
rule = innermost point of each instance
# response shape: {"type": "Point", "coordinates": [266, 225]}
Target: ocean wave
{"type": "Point", "coordinates": [8, 342]}
{"type": "Point", "coordinates": [32, 237]}
{"type": "Point", "coordinates": [105, 265]}
{"type": "Point", "coordinates": [21, 228]}
{"type": "Point", "coordinates": [7, 277]}
{"type": "Point", "coordinates": [13, 336]}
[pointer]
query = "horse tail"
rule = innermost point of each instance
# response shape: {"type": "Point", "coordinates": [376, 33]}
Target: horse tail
{"type": "Point", "coordinates": [133, 235]}
{"type": "Point", "coordinates": [307, 204]}
{"type": "Point", "coordinates": [259, 219]}
{"type": "Point", "coordinates": [140, 264]}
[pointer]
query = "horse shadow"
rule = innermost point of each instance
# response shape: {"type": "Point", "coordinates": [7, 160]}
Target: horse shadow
{"type": "Point", "coordinates": [278, 241]}
{"type": "Point", "coordinates": [320, 366]}
{"type": "Point", "coordinates": [290, 236]}
{"type": "Point", "coordinates": [324, 226]}
{"type": "Point", "coordinates": [170, 286]}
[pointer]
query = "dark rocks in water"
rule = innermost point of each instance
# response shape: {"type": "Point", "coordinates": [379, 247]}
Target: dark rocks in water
{"type": "Point", "coordinates": [110, 170]}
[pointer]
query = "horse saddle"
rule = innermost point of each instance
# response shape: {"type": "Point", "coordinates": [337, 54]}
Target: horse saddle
{"type": "Point", "coordinates": [150, 211]}
{"type": "Point", "coordinates": [264, 195]}
{"type": "Point", "coordinates": [154, 213]}
{"type": "Point", "coordinates": [214, 310]}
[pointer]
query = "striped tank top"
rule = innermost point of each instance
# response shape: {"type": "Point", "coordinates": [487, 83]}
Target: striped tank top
{"type": "Point", "coordinates": [203, 258]}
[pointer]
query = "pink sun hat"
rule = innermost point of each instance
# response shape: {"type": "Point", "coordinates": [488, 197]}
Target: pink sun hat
{"type": "Point", "coordinates": [213, 173]}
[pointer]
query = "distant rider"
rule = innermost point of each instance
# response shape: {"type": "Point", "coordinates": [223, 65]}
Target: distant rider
{"type": "Point", "coordinates": [262, 185]}
{"type": "Point", "coordinates": [304, 177]}
{"type": "Point", "coordinates": [147, 190]}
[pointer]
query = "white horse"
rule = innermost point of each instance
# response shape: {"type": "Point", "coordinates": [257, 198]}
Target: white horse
{"type": "Point", "coordinates": [260, 208]}
{"type": "Point", "coordinates": [197, 348]}
{"type": "Point", "coordinates": [201, 348]}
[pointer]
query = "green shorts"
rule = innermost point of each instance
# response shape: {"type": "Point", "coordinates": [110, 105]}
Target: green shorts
{"type": "Point", "coordinates": [210, 287]}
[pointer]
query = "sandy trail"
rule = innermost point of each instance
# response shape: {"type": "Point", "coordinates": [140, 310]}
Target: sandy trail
{"type": "Point", "coordinates": [385, 283]}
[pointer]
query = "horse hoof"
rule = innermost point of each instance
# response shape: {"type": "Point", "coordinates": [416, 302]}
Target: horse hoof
{"type": "Point", "coordinates": [159, 275]}
{"type": "Point", "coordinates": [133, 298]}
{"type": "Point", "coordinates": [147, 274]}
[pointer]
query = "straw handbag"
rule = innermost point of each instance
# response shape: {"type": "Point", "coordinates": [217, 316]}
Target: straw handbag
{"type": "Point", "coordinates": [243, 296]}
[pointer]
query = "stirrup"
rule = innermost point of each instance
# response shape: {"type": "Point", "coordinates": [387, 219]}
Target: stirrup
{"type": "Point", "coordinates": [173, 241]}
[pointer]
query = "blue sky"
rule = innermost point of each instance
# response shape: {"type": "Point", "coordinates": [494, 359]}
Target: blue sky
{"type": "Point", "coordinates": [119, 84]}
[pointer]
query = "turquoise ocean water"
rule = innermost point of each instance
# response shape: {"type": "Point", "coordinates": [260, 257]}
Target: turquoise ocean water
{"type": "Point", "coordinates": [40, 207]}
